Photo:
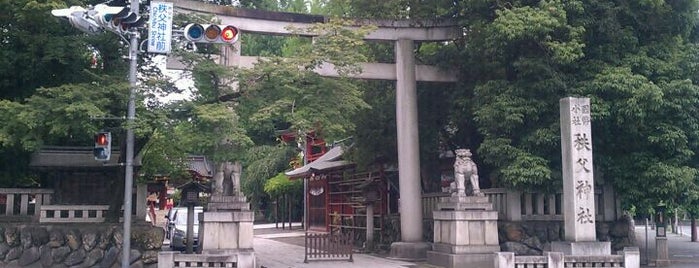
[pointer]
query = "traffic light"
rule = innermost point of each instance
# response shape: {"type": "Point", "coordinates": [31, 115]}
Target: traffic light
{"type": "Point", "coordinates": [117, 19]}
{"type": "Point", "coordinates": [77, 16]}
{"type": "Point", "coordinates": [113, 16]}
{"type": "Point", "coordinates": [103, 146]}
{"type": "Point", "coordinates": [211, 33]}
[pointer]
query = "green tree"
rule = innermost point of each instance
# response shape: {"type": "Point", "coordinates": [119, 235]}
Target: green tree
{"type": "Point", "coordinates": [280, 185]}
{"type": "Point", "coordinates": [49, 84]}
{"type": "Point", "coordinates": [227, 123]}
{"type": "Point", "coordinates": [518, 58]}
{"type": "Point", "coordinates": [57, 86]}
{"type": "Point", "coordinates": [285, 94]}
{"type": "Point", "coordinates": [634, 60]}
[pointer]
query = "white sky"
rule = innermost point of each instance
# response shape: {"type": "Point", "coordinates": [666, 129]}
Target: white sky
{"type": "Point", "coordinates": [183, 83]}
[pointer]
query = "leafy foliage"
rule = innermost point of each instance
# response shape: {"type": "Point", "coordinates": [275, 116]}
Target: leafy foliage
{"type": "Point", "coordinates": [37, 49]}
{"type": "Point", "coordinates": [636, 60]}
{"type": "Point", "coordinates": [283, 93]}
{"type": "Point", "coordinates": [627, 58]}
{"type": "Point", "coordinates": [262, 163]}
{"type": "Point", "coordinates": [280, 185]}
{"type": "Point", "coordinates": [58, 86]}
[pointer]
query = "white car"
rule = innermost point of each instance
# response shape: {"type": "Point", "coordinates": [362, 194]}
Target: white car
{"type": "Point", "coordinates": [177, 227]}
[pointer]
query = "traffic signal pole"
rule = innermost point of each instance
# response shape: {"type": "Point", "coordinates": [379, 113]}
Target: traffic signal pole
{"type": "Point", "coordinates": [114, 19]}
{"type": "Point", "coordinates": [130, 117]}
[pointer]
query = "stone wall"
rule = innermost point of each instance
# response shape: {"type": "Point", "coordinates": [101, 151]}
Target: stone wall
{"type": "Point", "coordinates": [77, 245]}
{"type": "Point", "coordinates": [535, 237]}
{"type": "Point", "coordinates": [527, 237]}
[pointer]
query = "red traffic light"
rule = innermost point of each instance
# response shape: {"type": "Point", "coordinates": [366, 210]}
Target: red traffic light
{"type": "Point", "coordinates": [103, 146]}
{"type": "Point", "coordinates": [102, 139]}
{"type": "Point", "coordinates": [229, 34]}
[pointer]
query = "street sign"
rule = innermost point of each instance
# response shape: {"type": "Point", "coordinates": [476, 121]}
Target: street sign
{"type": "Point", "coordinates": [160, 28]}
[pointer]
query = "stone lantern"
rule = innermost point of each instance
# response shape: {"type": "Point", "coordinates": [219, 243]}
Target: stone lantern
{"type": "Point", "coordinates": [190, 197]}
{"type": "Point", "coordinates": [370, 195]}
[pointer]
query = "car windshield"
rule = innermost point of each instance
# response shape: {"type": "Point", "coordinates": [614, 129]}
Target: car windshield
{"type": "Point", "coordinates": [181, 217]}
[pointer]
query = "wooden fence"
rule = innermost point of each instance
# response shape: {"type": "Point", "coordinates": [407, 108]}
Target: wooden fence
{"type": "Point", "coordinates": [328, 246]}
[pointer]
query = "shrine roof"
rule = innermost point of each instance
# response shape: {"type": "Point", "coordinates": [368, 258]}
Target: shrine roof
{"type": "Point", "coordinates": [329, 161]}
{"type": "Point", "coordinates": [200, 165]}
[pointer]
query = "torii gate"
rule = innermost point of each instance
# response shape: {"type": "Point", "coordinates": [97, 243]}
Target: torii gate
{"type": "Point", "coordinates": [405, 72]}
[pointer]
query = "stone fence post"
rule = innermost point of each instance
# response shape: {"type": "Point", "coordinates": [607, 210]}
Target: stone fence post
{"type": "Point", "coordinates": [513, 211]}
{"type": "Point", "coordinates": [166, 259]}
{"type": "Point", "coordinates": [141, 205]}
{"type": "Point", "coordinates": [555, 259]}
{"type": "Point", "coordinates": [504, 260]}
{"type": "Point", "coordinates": [610, 209]}
{"type": "Point", "coordinates": [632, 257]}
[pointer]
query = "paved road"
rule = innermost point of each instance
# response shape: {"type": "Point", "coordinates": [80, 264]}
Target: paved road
{"type": "Point", "coordinates": [682, 253]}
{"type": "Point", "coordinates": [283, 248]}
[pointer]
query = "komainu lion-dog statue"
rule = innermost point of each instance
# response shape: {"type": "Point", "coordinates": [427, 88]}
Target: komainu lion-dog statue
{"type": "Point", "coordinates": [464, 167]}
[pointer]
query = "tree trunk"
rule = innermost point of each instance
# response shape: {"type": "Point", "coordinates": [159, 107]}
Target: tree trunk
{"type": "Point", "coordinates": [116, 201]}
{"type": "Point", "coordinates": [694, 228]}
{"type": "Point", "coordinates": [276, 213]}
{"type": "Point", "coordinates": [288, 210]}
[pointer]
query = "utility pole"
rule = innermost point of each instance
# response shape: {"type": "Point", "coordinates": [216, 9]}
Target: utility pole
{"type": "Point", "coordinates": [114, 17]}
{"type": "Point", "coordinates": [130, 117]}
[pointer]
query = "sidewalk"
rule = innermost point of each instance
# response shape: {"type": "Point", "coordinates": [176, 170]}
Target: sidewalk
{"type": "Point", "coordinates": [283, 248]}
{"type": "Point", "coordinates": [682, 253]}
{"type": "Point", "coordinates": [278, 248]}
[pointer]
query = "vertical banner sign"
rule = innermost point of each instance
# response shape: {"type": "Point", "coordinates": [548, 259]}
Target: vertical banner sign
{"type": "Point", "coordinates": [578, 183]}
{"type": "Point", "coordinates": [160, 29]}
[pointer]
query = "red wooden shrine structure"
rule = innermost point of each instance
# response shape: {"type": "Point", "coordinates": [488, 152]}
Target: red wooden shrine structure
{"type": "Point", "coordinates": [337, 201]}
{"type": "Point", "coordinates": [336, 192]}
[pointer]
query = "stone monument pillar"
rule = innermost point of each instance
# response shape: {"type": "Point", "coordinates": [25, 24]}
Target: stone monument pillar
{"type": "Point", "coordinates": [465, 227]}
{"type": "Point", "coordinates": [226, 228]}
{"type": "Point", "coordinates": [578, 183]}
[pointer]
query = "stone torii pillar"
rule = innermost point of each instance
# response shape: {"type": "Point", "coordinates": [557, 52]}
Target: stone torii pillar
{"type": "Point", "coordinates": [411, 246]}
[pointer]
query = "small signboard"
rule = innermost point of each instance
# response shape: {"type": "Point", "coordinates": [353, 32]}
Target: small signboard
{"type": "Point", "coordinates": [160, 28]}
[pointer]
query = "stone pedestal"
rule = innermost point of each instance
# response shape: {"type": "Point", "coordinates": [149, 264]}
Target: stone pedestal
{"type": "Point", "coordinates": [465, 233]}
{"type": "Point", "coordinates": [409, 251]}
{"type": "Point", "coordinates": [226, 229]}
{"type": "Point", "coordinates": [591, 248]}
{"type": "Point", "coordinates": [228, 203]}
